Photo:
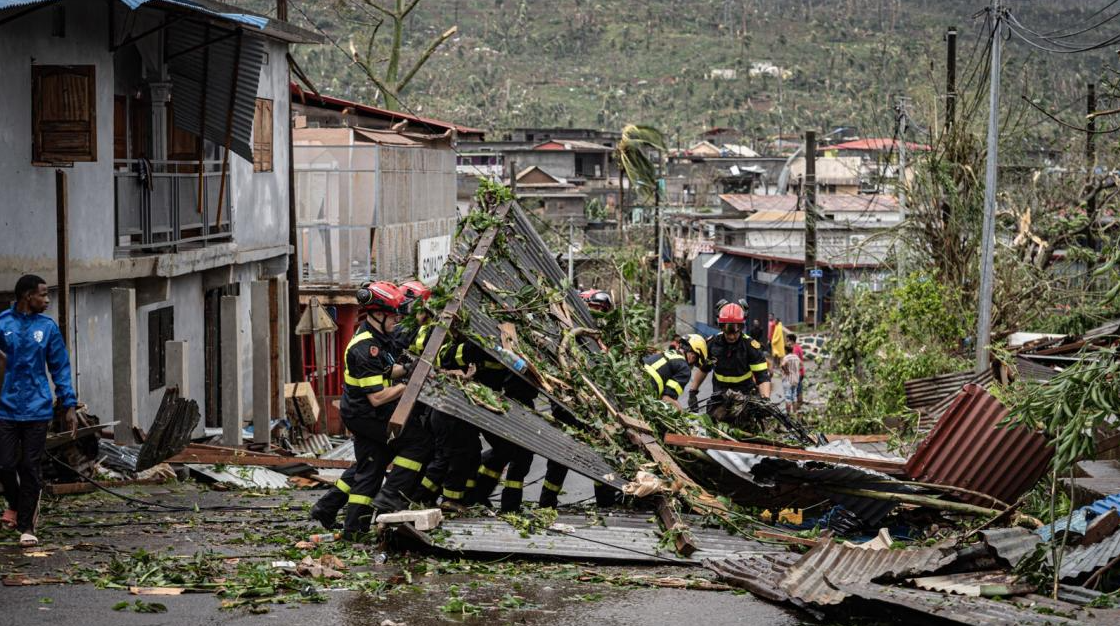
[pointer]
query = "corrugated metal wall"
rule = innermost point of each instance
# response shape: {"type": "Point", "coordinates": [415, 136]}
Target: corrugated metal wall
{"type": "Point", "coordinates": [396, 245]}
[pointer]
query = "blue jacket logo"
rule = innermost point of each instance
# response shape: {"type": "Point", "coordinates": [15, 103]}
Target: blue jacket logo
{"type": "Point", "coordinates": [38, 336]}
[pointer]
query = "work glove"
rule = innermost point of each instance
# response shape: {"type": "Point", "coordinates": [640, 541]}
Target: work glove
{"type": "Point", "coordinates": [408, 367]}
{"type": "Point", "coordinates": [693, 400]}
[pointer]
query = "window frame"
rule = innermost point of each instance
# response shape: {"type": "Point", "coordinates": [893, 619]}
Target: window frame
{"type": "Point", "coordinates": [40, 154]}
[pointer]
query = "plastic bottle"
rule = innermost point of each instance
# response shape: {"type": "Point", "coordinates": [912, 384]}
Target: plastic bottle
{"type": "Point", "coordinates": [325, 537]}
{"type": "Point", "coordinates": [511, 359]}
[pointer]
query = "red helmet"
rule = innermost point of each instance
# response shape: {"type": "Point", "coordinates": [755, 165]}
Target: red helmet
{"type": "Point", "coordinates": [416, 290]}
{"type": "Point", "coordinates": [597, 299]}
{"type": "Point", "coordinates": [380, 296]}
{"type": "Point", "coordinates": [732, 314]}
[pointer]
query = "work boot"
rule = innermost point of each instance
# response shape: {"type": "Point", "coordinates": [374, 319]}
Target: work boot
{"type": "Point", "coordinates": [511, 500]}
{"type": "Point", "coordinates": [326, 519]}
{"type": "Point", "coordinates": [358, 521]}
{"type": "Point", "coordinates": [550, 499]}
{"type": "Point", "coordinates": [454, 506]}
{"type": "Point", "coordinates": [605, 497]}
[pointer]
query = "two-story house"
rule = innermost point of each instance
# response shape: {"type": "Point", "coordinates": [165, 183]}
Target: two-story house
{"type": "Point", "coordinates": [145, 172]}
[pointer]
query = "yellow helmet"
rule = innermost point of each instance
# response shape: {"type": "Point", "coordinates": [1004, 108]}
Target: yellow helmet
{"type": "Point", "coordinates": [698, 345]}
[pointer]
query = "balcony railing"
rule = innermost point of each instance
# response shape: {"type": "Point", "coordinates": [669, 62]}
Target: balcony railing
{"type": "Point", "coordinates": [158, 208]}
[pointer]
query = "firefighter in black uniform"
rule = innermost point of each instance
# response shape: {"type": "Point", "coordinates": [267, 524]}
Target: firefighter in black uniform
{"type": "Point", "coordinates": [600, 302]}
{"type": "Point", "coordinates": [368, 400]}
{"type": "Point", "coordinates": [458, 450]}
{"type": "Point", "coordinates": [412, 335]}
{"type": "Point", "coordinates": [671, 370]}
{"type": "Point", "coordinates": [737, 360]}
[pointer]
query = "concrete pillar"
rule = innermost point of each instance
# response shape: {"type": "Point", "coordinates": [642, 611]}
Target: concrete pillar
{"type": "Point", "coordinates": [260, 336]}
{"type": "Point", "coordinates": [124, 364]}
{"type": "Point", "coordinates": [161, 98]}
{"type": "Point", "coordinates": [177, 367]}
{"type": "Point", "coordinates": [282, 331]}
{"type": "Point", "coordinates": [231, 371]}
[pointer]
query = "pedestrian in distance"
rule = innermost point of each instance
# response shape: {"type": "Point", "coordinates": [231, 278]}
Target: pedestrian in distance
{"type": "Point", "coordinates": [30, 346]}
{"type": "Point", "coordinates": [797, 349]}
{"type": "Point", "coordinates": [791, 378]}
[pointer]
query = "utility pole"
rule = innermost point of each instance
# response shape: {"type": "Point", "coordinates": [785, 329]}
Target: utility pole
{"type": "Point", "coordinates": [900, 184]}
{"type": "Point", "coordinates": [988, 243]}
{"type": "Point", "coordinates": [512, 176]}
{"type": "Point", "coordinates": [809, 186]}
{"type": "Point", "coordinates": [660, 244]}
{"type": "Point", "coordinates": [951, 78]}
{"type": "Point", "coordinates": [571, 253]}
{"type": "Point", "coordinates": [1090, 160]}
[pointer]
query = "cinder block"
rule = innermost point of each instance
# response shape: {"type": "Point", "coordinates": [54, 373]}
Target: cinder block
{"type": "Point", "coordinates": [422, 520]}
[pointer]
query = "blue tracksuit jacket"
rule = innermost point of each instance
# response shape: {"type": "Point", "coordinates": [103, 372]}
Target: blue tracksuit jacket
{"type": "Point", "coordinates": [33, 344]}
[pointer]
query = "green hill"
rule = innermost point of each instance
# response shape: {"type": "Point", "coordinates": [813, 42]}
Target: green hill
{"type": "Point", "coordinates": [605, 64]}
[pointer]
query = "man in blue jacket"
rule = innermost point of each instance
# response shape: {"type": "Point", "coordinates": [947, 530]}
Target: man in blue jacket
{"type": "Point", "coordinates": [30, 344]}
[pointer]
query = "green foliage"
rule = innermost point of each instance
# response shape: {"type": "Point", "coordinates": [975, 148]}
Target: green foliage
{"type": "Point", "coordinates": [878, 341]}
{"type": "Point", "coordinates": [456, 605]}
{"type": "Point", "coordinates": [633, 159]}
{"type": "Point", "coordinates": [1070, 407]}
{"type": "Point", "coordinates": [491, 194]}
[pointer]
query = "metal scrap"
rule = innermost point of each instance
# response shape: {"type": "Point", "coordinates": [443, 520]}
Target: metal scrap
{"type": "Point", "coordinates": [626, 537]}
{"type": "Point", "coordinates": [246, 477]}
{"type": "Point", "coordinates": [816, 577]}
{"type": "Point", "coordinates": [971, 448]}
{"type": "Point", "coordinates": [171, 430]}
{"type": "Point", "coordinates": [1011, 545]}
{"type": "Point", "coordinates": [759, 574]}
{"type": "Point", "coordinates": [976, 584]}
{"type": "Point", "coordinates": [959, 609]}
{"type": "Point", "coordinates": [1087, 559]}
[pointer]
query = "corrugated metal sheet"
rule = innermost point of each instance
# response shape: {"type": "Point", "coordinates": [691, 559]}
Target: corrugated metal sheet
{"type": "Point", "coordinates": [1087, 559]}
{"type": "Point", "coordinates": [626, 537]}
{"type": "Point", "coordinates": [524, 428]}
{"type": "Point", "coordinates": [1104, 505]}
{"type": "Point", "coordinates": [1010, 545]}
{"type": "Point", "coordinates": [814, 478]}
{"type": "Point", "coordinates": [1077, 523]}
{"type": "Point", "coordinates": [1078, 595]}
{"type": "Point", "coordinates": [759, 574]}
{"type": "Point", "coordinates": [118, 458]}
{"type": "Point", "coordinates": [928, 418]}
{"type": "Point", "coordinates": [171, 430]}
{"type": "Point", "coordinates": [245, 476]}
{"type": "Point", "coordinates": [969, 448]}
{"type": "Point", "coordinates": [827, 565]}
{"type": "Point", "coordinates": [923, 393]}
{"type": "Point", "coordinates": [202, 81]}
{"type": "Point", "coordinates": [975, 584]}
{"type": "Point", "coordinates": [344, 452]}
{"type": "Point", "coordinates": [958, 609]}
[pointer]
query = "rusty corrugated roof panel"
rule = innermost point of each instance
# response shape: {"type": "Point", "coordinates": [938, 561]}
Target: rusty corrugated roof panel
{"type": "Point", "coordinates": [969, 448]}
{"type": "Point", "coordinates": [1087, 559]}
{"type": "Point", "coordinates": [1011, 544]}
{"type": "Point", "coordinates": [759, 574]}
{"type": "Point", "coordinates": [929, 417]}
{"type": "Point", "coordinates": [524, 428]}
{"type": "Point", "coordinates": [975, 584]}
{"type": "Point", "coordinates": [815, 577]}
{"type": "Point", "coordinates": [958, 609]}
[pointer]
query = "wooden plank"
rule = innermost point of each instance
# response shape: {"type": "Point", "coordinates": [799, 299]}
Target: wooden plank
{"type": "Point", "coordinates": [69, 489]}
{"type": "Point", "coordinates": [801, 541]}
{"type": "Point", "coordinates": [212, 457]}
{"type": "Point", "coordinates": [860, 438]}
{"type": "Point", "coordinates": [439, 332]}
{"type": "Point", "coordinates": [895, 468]}
{"type": "Point", "coordinates": [670, 520]}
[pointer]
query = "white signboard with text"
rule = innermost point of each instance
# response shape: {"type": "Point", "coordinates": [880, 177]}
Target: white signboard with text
{"type": "Point", "coordinates": [431, 254]}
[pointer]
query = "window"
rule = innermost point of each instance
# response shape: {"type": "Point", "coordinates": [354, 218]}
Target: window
{"type": "Point", "coordinates": [161, 329]}
{"type": "Point", "coordinates": [262, 136]}
{"type": "Point", "coordinates": [63, 113]}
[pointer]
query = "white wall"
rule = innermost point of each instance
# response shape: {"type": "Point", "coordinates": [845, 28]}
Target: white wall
{"type": "Point", "coordinates": [27, 203]}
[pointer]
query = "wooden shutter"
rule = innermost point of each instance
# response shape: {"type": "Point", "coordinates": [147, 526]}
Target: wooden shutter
{"type": "Point", "coordinates": [120, 128]}
{"type": "Point", "coordinates": [64, 113]}
{"type": "Point", "coordinates": [262, 136]}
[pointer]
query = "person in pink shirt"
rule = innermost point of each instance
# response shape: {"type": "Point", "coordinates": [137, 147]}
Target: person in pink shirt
{"type": "Point", "coordinates": [796, 349]}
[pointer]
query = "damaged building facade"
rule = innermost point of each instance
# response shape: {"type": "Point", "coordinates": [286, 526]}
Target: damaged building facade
{"type": "Point", "coordinates": [153, 136]}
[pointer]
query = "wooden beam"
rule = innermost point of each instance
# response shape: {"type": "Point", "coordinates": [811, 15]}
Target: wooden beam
{"type": "Point", "coordinates": [69, 489]}
{"type": "Point", "coordinates": [204, 456]}
{"type": "Point", "coordinates": [801, 541]}
{"type": "Point", "coordinates": [894, 468]}
{"type": "Point", "coordinates": [670, 521]}
{"type": "Point", "coordinates": [439, 331]}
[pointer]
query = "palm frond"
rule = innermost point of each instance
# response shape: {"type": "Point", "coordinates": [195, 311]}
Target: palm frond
{"type": "Point", "coordinates": [634, 162]}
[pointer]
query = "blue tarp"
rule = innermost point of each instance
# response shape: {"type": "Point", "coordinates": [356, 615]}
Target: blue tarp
{"type": "Point", "coordinates": [255, 21]}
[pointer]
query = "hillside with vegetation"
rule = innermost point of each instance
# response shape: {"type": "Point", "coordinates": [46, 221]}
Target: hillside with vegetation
{"type": "Point", "coordinates": [601, 64]}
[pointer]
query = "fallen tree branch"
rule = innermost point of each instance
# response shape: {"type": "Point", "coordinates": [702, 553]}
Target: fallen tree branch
{"type": "Point", "coordinates": [917, 500]}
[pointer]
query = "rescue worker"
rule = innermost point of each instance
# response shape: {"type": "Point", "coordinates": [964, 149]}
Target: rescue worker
{"type": "Point", "coordinates": [368, 400]}
{"type": "Point", "coordinates": [413, 336]}
{"type": "Point", "coordinates": [738, 361]}
{"type": "Point", "coordinates": [671, 370]}
{"type": "Point", "coordinates": [554, 474]}
{"type": "Point", "coordinates": [457, 448]}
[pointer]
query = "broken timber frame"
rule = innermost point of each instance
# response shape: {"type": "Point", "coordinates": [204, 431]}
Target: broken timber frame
{"type": "Point", "coordinates": [893, 468]}
{"type": "Point", "coordinates": [423, 368]}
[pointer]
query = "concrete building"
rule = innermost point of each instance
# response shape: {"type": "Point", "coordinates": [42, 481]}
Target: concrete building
{"type": "Point", "coordinates": [154, 137]}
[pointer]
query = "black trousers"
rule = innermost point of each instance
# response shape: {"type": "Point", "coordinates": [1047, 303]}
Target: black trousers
{"type": "Point", "coordinates": [22, 446]}
{"type": "Point", "coordinates": [554, 473]}
{"type": "Point", "coordinates": [500, 455]}
{"type": "Point", "coordinates": [374, 453]}
{"type": "Point", "coordinates": [456, 454]}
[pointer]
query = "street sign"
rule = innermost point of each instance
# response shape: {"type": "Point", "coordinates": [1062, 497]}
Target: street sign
{"type": "Point", "coordinates": [816, 273]}
{"type": "Point", "coordinates": [431, 254]}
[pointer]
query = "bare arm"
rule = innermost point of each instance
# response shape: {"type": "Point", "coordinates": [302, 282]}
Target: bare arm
{"type": "Point", "coordinates": [385, 396]}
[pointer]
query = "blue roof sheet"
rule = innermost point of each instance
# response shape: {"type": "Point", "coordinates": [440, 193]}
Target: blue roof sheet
{"type": "Point", "coordinates": [255, 21]}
